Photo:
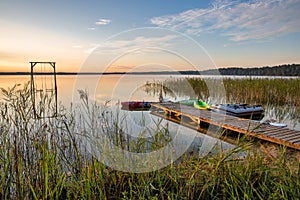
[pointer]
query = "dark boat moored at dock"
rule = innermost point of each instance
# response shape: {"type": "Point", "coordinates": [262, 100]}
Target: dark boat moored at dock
{"type": "Point", "coordinates": [135, 105]}
{"type": "Point", "coordinates": [255, 112]}
{"type": "Point", "coordinates": [202, 119]}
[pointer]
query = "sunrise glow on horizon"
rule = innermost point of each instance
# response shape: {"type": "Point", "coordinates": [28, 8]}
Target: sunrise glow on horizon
{"type": "Point", "coordinates": [97, 36]}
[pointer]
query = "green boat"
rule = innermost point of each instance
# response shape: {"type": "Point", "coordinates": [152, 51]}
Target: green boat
{"type": "Point", "coordinates": [201, 105]}
{"type": "Point", "coordinates": [196, 103]}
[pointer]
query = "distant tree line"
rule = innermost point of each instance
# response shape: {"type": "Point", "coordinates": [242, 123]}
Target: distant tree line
{"type": "Point", "coordinates": [281, 70]}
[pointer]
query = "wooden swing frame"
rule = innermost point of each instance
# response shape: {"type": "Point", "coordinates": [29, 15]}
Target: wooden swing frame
{"type": "Point", "coordinates": [33, 88]}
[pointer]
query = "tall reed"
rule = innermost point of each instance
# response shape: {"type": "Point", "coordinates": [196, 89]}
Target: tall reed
{"type": "Point", "coordinates": [47, 159]}
{"type": "Point", "coordinates": [279, 97]}
{"type": "Point", "coordinates": [264, 91]}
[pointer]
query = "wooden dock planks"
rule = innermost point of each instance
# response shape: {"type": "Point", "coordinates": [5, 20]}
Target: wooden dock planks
{"type": "Point", "coordinates": [281, 136]}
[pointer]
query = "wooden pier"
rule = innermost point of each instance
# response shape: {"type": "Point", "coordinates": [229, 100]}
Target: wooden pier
{"type": "Point", "coordinates": [206, 118]}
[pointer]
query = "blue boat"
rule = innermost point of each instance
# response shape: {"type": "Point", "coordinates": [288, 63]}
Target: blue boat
{"type": "Point", "coordinates": [240, 110]}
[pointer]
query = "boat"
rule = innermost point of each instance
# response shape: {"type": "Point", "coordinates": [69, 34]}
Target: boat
{"type": "Point", "coordinates": [136, 105]}
{"type": "Point", "coordinates": [201, 105]}
{"type": "Point", "coordinates": [247, 111]}
{"type": "Point", "coordinates": [273, 122]}
{"type": "Point", "coordinates": [195, 103]}
{"type": "Point", "coordinates": [281, 125]}
{"type": "Point", "coordinates": [188, 102]}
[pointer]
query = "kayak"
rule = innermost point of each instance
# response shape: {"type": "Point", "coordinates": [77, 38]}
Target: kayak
{"type": "Point", "coordinates": [135, 105]}
{"type": "Point", "coordinates": [278, 124]}
{"type": "Point", "coordinates": [195, 103]}
{"type": "Point", "coordinates": [240, 110]}
{"type": "Point", "coordinates": [188, 102]}
{"type": "Point", "coordinates": [201, 105]}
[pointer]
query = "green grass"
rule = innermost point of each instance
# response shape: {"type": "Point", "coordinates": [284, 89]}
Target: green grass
{"type": "Point", "coordinates": [46, 159]}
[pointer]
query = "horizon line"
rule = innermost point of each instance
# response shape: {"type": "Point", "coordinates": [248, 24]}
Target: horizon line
{"type": "Point", "coordinates": [188, 71]}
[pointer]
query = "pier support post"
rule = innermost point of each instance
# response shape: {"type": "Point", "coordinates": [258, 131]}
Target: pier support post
{"type": "Point", "coordinates": [199, 125]}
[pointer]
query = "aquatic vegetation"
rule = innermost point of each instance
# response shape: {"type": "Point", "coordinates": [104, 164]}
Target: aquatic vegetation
{"type": "Point", "coordinates": [47, 159]}
{"type": "Point", "coordinates": [276, 92]}
{"type": "Point", "coordinates": [279, 97]}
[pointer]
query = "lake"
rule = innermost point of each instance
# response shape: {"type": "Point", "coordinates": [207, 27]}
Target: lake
{"type": "Point", "coordinates": [113, 89]}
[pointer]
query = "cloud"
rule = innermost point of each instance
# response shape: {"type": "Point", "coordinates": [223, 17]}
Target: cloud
{"type": "Point", "coordinates": [238, 20]}
{"type": "Point", "coordinates": [137, 44]}
{"type": "Point", "coordinates": [91, 28]}
{"type": "Point", "coordinates": [103, 22]}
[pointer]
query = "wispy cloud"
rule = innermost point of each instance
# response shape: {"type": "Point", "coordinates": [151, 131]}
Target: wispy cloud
{"type": "Point", "coordinates": [137, 44]}
{"type": "Point", "coordinates": [103, 21]}
{"type": "Point", "coordinates": [239, 20]}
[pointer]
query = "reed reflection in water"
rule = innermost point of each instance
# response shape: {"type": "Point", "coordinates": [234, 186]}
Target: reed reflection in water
{"type": "Point", "coordinates": [279, 97]}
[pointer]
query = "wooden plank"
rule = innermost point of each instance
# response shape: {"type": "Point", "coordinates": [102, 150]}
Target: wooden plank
{"type": "Point", "coordinates": [281, 142]}
{"type": "Point", "coordinates": [282, 136]}
{"type": "Point", "coordinates": [274, 132]}
{"type": "Point", "coordinates": [295, 140]}
{"type": "Point", "coordinates": [240, 126]}
{"type": "Point", "coordinates": [282, 133]}
{"type": "Point", "coordinates": [291, 136]}
{"type": "Point", "coordinates": [263, 126]}
{"type": "Point", "coordinates": [288, 137]}
{"type": "Point", "coordinates": [265, 130]}
{"type": "Point", "coordinates": [291, 139]}
{"type": "Point", "coordinates": [246, 124]}
{"type": "Point", "coordinates": [237, 129]}
{"type": "Point", "coordinates": [276, 140]}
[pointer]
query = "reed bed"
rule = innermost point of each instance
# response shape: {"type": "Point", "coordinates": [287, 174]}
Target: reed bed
{"type": "Point", "coordinates": [47, 159]}
{"type": "Point", "coordinates": [279, 97]}
{"type": "Point", "coordinates": [274, 91]}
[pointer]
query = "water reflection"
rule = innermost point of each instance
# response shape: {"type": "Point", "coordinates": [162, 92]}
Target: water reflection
{"type": "Point", "coordinates": [276, 109]}
{"type": "Point", "coordinates": [115, 89]}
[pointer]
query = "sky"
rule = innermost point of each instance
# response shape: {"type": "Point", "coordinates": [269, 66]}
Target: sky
{"type": "Point", "coordinates": [123, 35]}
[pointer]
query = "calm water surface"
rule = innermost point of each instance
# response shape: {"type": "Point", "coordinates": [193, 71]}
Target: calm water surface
{"type": "Point", "coordinates": [112, 89]}
{"type": "Point", "coordinates": [116, 88]}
